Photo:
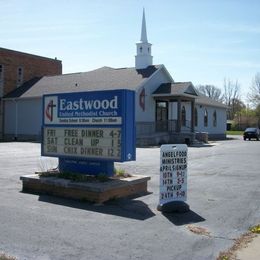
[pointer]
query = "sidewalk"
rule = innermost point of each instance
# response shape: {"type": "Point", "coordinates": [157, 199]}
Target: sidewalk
{"type": "Point", "coordinates": [251, 251]}
{"type": "Point", "coordinates": [247, 247]}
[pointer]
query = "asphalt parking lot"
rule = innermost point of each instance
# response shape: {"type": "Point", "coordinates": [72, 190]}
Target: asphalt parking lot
{"type": "Point", "coordinates": [223, 195]}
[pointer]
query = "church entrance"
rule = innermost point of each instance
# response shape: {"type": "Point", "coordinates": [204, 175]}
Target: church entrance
{"type": "Point", "coordinates": [161, 116]}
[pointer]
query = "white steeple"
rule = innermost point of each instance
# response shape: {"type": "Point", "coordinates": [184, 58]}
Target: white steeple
{"type": "Point", "coordinates": [143, 33]}
{"type": "Point", "coordinates": [143, 58]}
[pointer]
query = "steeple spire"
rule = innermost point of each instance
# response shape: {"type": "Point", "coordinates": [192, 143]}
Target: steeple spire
{"type": "Point", "coordinates": [143, 33]}
{"type": "Point", "coordinates": [143, 58]}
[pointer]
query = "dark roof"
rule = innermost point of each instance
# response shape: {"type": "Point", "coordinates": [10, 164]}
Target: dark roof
{"type": "Point", "coordinates": [176, 89]}
{"type": "Point", "coordinates": [104, 78]}
{"type": "Point", "coordinates": [203, 100]}
{"type": "Point", "coordinates": [18, 92]}
{"type": "Point", "coordinates": [185, 89]}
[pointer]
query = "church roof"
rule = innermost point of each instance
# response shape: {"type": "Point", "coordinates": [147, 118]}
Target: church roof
{"type": "Point", "coordinates": [18, 92]}
{"type": "Point", "coordinates": [185, 89]}
{"type": "Point", "coordinates": [104, 78]}
{"type": "Point", "coordinates": [107, 78]}
{"type": "Point", "coordinates": [176, 89]}
{"type": "Point", "coordinates": [204, 100]}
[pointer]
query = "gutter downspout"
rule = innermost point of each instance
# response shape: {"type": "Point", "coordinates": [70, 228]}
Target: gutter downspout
{"type": "Point", "coordinates": [16, 120]}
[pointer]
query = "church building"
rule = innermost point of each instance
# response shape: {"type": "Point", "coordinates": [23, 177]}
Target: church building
{"type": "Point", "coordinates": [166, 111]}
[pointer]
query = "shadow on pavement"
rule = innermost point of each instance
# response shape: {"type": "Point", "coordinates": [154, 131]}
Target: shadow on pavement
{"type": "Point", "coordinates": [127, 207]}
{"type": "Point", "coordinates": [180, 219]}
{"type": "Point", "coordinates": [202, 145]}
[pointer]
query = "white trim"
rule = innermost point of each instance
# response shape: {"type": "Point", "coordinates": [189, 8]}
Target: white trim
{"type": "Point", "coordinates": [174, 95]}
{"type": "Point", "coordinates": [161, 67]}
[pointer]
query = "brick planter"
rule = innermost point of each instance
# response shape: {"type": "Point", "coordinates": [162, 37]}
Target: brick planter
{"type": "Point", "coordinates": [97, 192]}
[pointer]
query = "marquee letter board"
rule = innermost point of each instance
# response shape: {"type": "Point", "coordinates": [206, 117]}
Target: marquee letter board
{"type": "Point", "coordinates": [89, 128]}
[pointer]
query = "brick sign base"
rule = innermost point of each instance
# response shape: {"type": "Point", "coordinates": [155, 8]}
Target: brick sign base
{"type": "Point", "coordinates": [93, 192]}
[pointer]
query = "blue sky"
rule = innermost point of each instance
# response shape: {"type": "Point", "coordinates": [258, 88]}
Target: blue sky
{"type": "Point", "coordinates": [202, 41]}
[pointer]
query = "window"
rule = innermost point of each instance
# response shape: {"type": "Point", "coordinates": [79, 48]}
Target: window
{"type": "Point", "coordinates": [205, 118]}
{"type": "Point", "coordinates": [1, 79]}
{"type": "Point", "coordinates": [183, 116]}
{"type": "Point", "coordinates": [215, 118]}
{"type": "Point", "coordinates": [19, 76]}
{"type": "Point", "coordinates": [196, 117]}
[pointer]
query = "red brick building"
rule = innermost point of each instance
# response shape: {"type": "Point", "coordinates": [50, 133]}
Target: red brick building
{"type": "Point", "coordinates": [16, 68]}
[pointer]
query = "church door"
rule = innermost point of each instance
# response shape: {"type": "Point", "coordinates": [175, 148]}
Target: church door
{"type": "Point", "coordinates": [161, 116]}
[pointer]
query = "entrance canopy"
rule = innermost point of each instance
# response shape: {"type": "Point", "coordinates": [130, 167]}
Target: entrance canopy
{"type": "Point", "coordinates": [176, 89]}
{"type": "Point", "coordinates": [176, 92]}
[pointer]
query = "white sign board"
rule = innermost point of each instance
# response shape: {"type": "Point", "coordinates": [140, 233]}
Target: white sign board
{"type": "Point", "coordinates": [173, 173]}
{"type": "Point", "coordinates": [82, 142]}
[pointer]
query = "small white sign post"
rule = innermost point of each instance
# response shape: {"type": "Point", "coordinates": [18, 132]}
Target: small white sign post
{"type": "Point", "coordinates": [173, 178]}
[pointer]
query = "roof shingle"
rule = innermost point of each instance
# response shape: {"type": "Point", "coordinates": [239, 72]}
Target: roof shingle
{"type": "Point", "coordinates": [104, 78]}
{"type": "Point", "coordinates": [186, 89]}
{"type": "Point", "coordinates": [18, 92]}
{"type": "Point", "coordinates": [175, 89]}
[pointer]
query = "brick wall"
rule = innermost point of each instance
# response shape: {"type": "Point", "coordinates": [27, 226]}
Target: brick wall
{"type": "Point", "coordinates": [32, 66]}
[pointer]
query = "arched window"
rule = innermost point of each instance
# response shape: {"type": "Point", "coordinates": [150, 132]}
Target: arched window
{"type": "Point", "coordinates": [205, 118]}
{"type": "Point", "coordinates": [183, 116]}
{"type": "Point", "coordinates": [196, 117]}
{"type": "Point", "coordinates": [215, 118]}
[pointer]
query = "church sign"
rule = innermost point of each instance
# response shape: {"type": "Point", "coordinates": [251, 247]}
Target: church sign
{"type": "Point", "coordinates": [87, 142]}
{"type": "Point", "coordinates": [89, 128]}
{"type": "Point", "coordinates": [93, 108]}
{"type": "Point", "coordinates": [173, 173]}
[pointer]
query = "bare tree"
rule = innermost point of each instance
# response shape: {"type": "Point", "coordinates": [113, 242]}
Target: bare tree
{"type": "Point", "coordinates": [211, 92]}
{"type": "Point", "coordinates": [254, 94]}
{"type": "Point", "coordinates": [231, 96]}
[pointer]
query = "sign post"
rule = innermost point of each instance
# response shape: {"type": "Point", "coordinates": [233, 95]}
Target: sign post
{"type": "Point", "coordinates": [173, 178]}
{"type": "Point", "coordinates": [89, 131]}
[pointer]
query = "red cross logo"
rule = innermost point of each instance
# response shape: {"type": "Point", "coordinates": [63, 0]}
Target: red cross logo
{"type": "Point", "coordinates": [49, 110]}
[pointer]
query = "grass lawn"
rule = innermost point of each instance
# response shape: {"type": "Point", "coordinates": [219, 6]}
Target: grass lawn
{"type": "Point", "coordinates": [234, 132]}
{"type": "Point", "coordinates": [6, 257]}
